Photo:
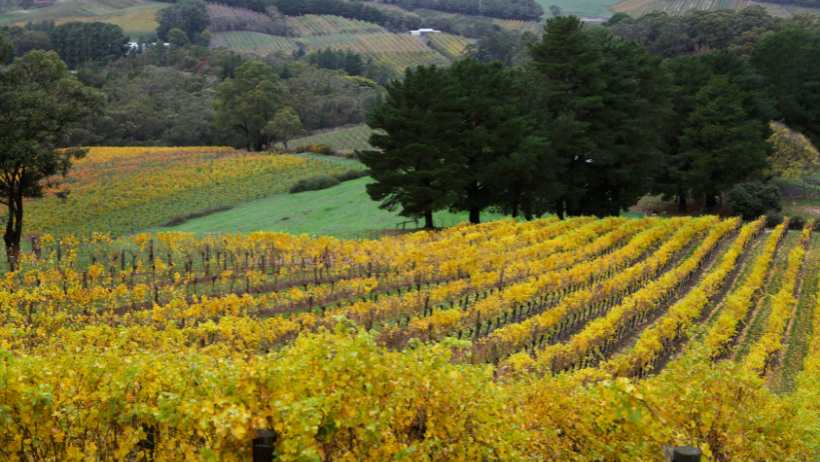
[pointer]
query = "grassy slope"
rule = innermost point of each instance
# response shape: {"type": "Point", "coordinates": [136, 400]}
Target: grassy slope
{"type": "Point", "coordinates": [801, 198]}
{"type": "Point", "coordinates": [344, 139]}
{"type": "Point", "coordinates": [136, 17]}
{"type": "Point", "coordinates": [342, 211]}
{"type": "Point", "coordinates": [640, 7]}
{"type": "Point", "coordinates": [122, 193]}
{"type": "Point", "coordinates": [580, 7]}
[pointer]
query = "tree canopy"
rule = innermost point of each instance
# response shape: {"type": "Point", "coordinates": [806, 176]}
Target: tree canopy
{"type": "Point", "coordinates": [590, 125]}
{"type": "Point", "coordinates": [284, 126]}
{"type": "Point", "coordinates": [189, 16]}
{"type": "Point", "coordinates": [601, 105]}
{"type": "Point", "coordinates": [78, 43]}
{"type": "Point", "coordinates": [40, 102]}
{"type": "Point", "coordinates": [412, 130]}
{"type": "Point", "coordinates": [245, 103]}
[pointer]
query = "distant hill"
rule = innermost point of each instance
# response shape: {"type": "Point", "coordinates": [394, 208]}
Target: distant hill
{"type": "Point", "coordinates": [783, 8]}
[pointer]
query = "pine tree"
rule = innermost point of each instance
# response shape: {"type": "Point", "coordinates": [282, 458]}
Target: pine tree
{"type": "Point", "coordinates": [691, 75]}
{"type": "Point", "coordinates": [411, 141]}
{"type": "Point", "coordinates": [490, 129]}
{"type": "Point", "coordinates": [721, 142]}
{"type": "Point", "coordinates": [601, 108]}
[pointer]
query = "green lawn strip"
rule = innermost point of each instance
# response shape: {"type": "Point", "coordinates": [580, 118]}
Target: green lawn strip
{"type": "Point", "coordinates": [344, 211]}
{"type": "Point", "coordinates": [352, 163]}
{"type": "Point", "coordinates": [758, 323]}
{"type": "Point", "coordinates": [797, 344]}
{"type": "Point", "coordinates": [579, 7]}
{"type": "Point", "coordinates": [344, 139]}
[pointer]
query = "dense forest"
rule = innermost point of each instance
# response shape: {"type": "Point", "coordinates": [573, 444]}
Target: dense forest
{"type": "Point", "coordinates": [565, 130]}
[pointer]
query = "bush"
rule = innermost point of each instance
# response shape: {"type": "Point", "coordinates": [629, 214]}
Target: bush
{"type": "Point", "coordinates": [797, 222]}
{"type": "Point", "coordinates": [351, 175]}
{"type": "Point", "coordinates": [314, 183]}
{"type": "Point", "coordinates": [773, 218]}
{"type": "Point", "coordinates": [316, 149]}
{"type": "Point", "coordinates": [753, 199]}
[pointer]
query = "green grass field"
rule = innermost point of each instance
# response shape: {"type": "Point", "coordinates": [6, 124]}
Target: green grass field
{"type": "Point", "coordinates": [344, 211]}
{"type": "Point", "coordinates": [347, 139]}
{"type": "Point", "coordinates": [253, 42]}
{"type": "Point", "coordinates": [641, 7]}
{"type": "Point", "coordinates": [800, 199]}
{"type": "Point", "coordinates": [312, 25]}
{"type": "Point", "coordinates": [580, 7]}
{"type": "Point", "coordinates": [136, 17]}
{"type": "Point", "coordinates": [397, 51]}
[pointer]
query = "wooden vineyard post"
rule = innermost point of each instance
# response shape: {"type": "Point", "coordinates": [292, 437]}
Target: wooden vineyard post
{"type": "Point", "coordinates": [683, 454]}
{"type": "Point", "coordinates": [263, 446]}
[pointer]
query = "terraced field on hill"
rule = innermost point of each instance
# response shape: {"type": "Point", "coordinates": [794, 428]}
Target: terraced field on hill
{"type": "Point", "coordinates": [344, 139]}
{"type": "Point", "coordinates": [136, 17]}
{"type": "Point", "coordinates": [396, 51]}
{"type": "Point", "coordinates": [641, 7]}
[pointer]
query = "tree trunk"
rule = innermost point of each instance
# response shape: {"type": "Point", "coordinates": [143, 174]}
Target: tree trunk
{"type": "Point", "coordinates": [475, 216]}
{"type": "Point", "coordinates": [259, 144]}
{"type": "Point", "coordinates": [428, 220]}
{"type": "Point", "coordinates": [285, 144]}
{"type": "Point", "coordinates": [682, 206]}
{"type": "Point", "coordinates": [710, 202]}
{"type": "Point", "coordinates": [14, 231]}
{"type": "Point", "coordinates": [559, 210]}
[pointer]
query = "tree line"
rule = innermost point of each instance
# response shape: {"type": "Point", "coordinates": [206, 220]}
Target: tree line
{"type": "Point", "coordinates": [591, 123]}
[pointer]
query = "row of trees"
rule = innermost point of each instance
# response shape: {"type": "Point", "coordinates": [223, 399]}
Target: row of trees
{"type": "Point", "coordinates": [77, 43]}
{"type": "Point", "coordinates": [184, 22]}
{"type": "Point", "coordinates": [590, 125]}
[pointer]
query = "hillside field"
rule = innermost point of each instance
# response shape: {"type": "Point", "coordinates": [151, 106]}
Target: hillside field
{"type": "Point", "coordinates": [344, 211]}
{"type": "Point", "coordinates": [125, 190]}
{"type": "Point", "coordinates": [576, 339]}
{"type": "Point", "coordinates": [640, 7]}
{"type": "Point", "coordinates": [594, 8]}
{"type": "Point", "coordinates": [397, 51]}
{"type": "Point", "coordinates": [136, 17]}
{"type": "Point", "coordinates": [344, 139]}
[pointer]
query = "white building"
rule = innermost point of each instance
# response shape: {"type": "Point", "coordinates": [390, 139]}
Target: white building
{"type": "Point", "coordinates": [423, 32]}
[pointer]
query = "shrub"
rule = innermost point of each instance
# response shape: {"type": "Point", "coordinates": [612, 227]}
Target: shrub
{"type": "Point", "coordinates": [797, 222]}
{"type": "Point", "coordinates": [753, 199]}
{"type": "Point", "coordinates": [314, 184]}
{"type": "Point", "coordinates": [773, 218]}
{"type": "Point", "coordinates": [351, 175]}
{"type": "Point", "coordinates": [317, 149]}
